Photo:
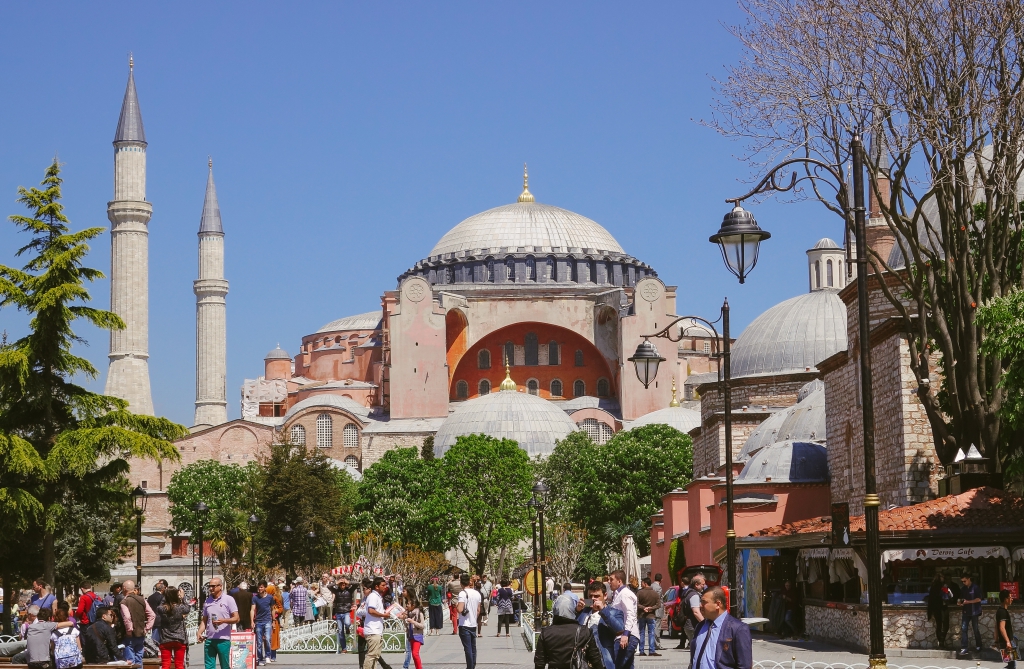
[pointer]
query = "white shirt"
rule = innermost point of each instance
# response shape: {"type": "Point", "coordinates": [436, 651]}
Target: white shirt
{"type": "Point", "coordinates": [471, 598]}
{"type": "Point", "coordinates": [374, 624]}
{"type": "Point", "coordinates": [625, 600]}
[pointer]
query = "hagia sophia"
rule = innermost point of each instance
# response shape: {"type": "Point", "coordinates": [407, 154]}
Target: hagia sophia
{"type": "Point", "coordinates": [519, 323]}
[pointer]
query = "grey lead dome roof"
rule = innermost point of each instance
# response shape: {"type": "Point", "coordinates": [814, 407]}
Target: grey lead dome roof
{"type": "Point", "coordinates": [680, 418]}
{"type": "Point", "coordinates": [278, 354]}
{"type": "Point", "coordinates": [129, 124]}
{"type": "Point", "coordinates": [787, 462]}
{"type": "Point", "coordinates": [804, 421]}
{"type": "Point", "coordinates": [368, 321]}
{"type": "Point", "coordinates": [530, 227]}
{"type": "Point", "coordinates": [792, 336]}
{"type": "Point", "coordinates": [533, 422]}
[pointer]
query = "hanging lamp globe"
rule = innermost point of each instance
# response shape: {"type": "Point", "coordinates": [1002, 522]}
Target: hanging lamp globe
{"type": "Point", "coordinates": [739, 238]}
{"type": "Point", "coordinates": [646, 361]}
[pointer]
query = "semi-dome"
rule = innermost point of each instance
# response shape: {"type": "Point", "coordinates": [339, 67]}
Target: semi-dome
{"type": "Point", "coordinates": [825, 243]}
{"type": "Point", "coordinates": [533, 422]}
{"type": "Point", "coordinates": [368, 321]}
{"type": "Point", "coordinates": [804, 421]}
{"type": "Point", "coordinates": [330, 401]}
{"type": "Point", "coordinates": [278, 354]}
{"type": "Point", "coordinates": [527, 226]}
{"type": "Point", "coordinates": [787, 462]}
{"type": "Point", "coordinates": [680, 418]}
{"type": "Point", "coordinates": [792, 336]}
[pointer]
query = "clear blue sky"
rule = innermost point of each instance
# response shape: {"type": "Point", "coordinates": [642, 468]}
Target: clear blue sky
{"type": "Point", "coordinates": [348, 137]}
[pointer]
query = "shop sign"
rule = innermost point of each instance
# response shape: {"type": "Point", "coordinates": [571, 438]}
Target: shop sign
{"type": "Point", "coordinates": [1013, 587]}
{"type": "Point", "coordinates": [958, 553]}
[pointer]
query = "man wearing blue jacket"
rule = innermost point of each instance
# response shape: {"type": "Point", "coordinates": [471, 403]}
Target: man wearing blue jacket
{"type": "Point", "coordinates": [721, 641]}
{"type": "Point", "coordinates": [605, 623]}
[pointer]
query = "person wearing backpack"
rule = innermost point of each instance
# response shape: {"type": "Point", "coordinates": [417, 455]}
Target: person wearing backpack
{"type": "Point", "coordinates": [66, 644]}
{"type": "Point", "coordinates": [565, 644]}
{"type": "Point", "coordinates": [37, 639]}
{"type": "Point", "coordinates": [88, 606]}
{"type": "Point", "coordinates": [173, 639]}
{"type": "Point", "coordinates": [688, 611]}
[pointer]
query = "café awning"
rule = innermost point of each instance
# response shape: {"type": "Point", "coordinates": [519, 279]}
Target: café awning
{"type": "Point", "coordinates": [957, 553]}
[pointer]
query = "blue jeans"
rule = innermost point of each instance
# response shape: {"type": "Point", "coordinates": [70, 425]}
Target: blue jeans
{"type": "Point", "coordinates": [134, 648]}
{"type": "Point", "coordinates": [624, 656]}
{"type": "Point", "coordinates": [467, 635]}
{"type": "Point", "coordinates": [342, 631]}
{"type": "Point", "coordinates": [965, 620]}
{"type": "Point", "coordinates": [606, 652]}
{"type": "Point", "coordinates": [647, 629]}
{"type": "Point", "coordinates": [263, 631]}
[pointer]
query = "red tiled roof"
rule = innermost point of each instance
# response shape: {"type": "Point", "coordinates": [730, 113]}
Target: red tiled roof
{"type": "Point", "coordinates": [982, 508]}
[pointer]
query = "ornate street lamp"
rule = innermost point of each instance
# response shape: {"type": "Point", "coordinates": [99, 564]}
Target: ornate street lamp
{"type": "Point", "coordinates": [739, 238]}
{"type": "Point", "coordinates": [310, 543]}
{"type": "Point", "coordinates": [201, 511]}
{"type": "Point", "coordinates": [832, 175]}
{"type": "Point", "coordinates": [540, 491]}
{"type": "Point", "coordinates": [288, 553]}
{"type": "Point", "coordinates": [254, 520]}
{"type": "Point", "coordinates": [674, 334]}
{"type": "Point", "coordinates": [139, 499]}
{"type": "Point", "coordinates": [646, 361]}
{"type": "Point", "coordinates": [532, 508]}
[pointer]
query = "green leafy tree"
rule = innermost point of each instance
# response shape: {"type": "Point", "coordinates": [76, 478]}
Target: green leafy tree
{"type": "Point", "coordinates": [618, 484]}
{"type": "Point", "coordinates": [427, 451]}
{"type": "Point", "coordinates": [300, 488]}
{"type": "Point", "coordinates": [82, 439]}
{"type": "Point", "coordinates": [1002, 319]}
{"type": "Point", "coordinates": [392, 495]}
{"type": "Point", "coordinates": [479, 501]}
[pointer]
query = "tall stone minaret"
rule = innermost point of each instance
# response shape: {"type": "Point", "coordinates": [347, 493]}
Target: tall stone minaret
{"type": "Point", "coordinates": [129, 214]}
{"type": "Point", "coordinates": [211, 315]}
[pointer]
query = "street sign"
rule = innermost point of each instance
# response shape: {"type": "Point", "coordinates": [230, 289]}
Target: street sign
{"type": "Point", "coordinates": [533, 581]}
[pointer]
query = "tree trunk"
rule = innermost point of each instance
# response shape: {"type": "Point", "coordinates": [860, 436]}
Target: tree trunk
{"type": "Point", "coordinates": [501, 563]}
{"type": "Point", "coordinates": [49, 558]}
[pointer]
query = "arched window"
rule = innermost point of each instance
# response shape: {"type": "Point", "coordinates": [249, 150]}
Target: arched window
{"type": "Point", "coordinates": [483, 359]}
{"type": "Point", "coordinates": [579, 358]}
{"type": "Point", "coordinates": [556, 388]}
{"type": "Point", "coordinates": [489, 273]}
{"type": "Point", "coordinates": [598, 432]}
{"type": "Point", "coordinates": [510, 354]}
{"type": "Point", "coordinates": [510, 270]}
{"type": "Point", "coordinates": [462, 390]}
{"type": "Point", "coordinates": [828, 272]}
{"type": "Point", "coordinates": [351, 436]}
{"type": "Point", "coordinates": [533, 386]}
{"type": "Point", "coordinates": [449, 274]}
{"type": "Point", "coordinates": [298, 435]}
{"type": "Point", "coordinates": [571, 274]}
{"type": "Point", "coordinates": [553, 353]}
{"type": "Point", "coordinates": [531, 269]}
{"type": "Point", "coordinates": [485, 387]}
{"type": "Point", "coordinates": [353, 462]}
{"type": "Point", "coordinates": [579, 389]}
{"type": "Point", "coordinates": [550, 275]}
{"type": "Point", "coordinates": [324, 431]}
{"type": "Point", "coordinates": [817, 274]}
{"type": "Point", "coordinates": [592, 271]}
{"type": "Point", "coordinates": [603, 389]}
{"type": "Point", "coordinates": [531, 353]}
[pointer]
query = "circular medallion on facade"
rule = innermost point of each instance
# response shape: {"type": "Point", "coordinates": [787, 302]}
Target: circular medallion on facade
{"type": "Point", "coordinates": [416, 291]}
{"type": "Point", "coordinates": [650, 291]}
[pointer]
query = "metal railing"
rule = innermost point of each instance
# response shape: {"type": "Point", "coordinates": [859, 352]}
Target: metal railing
{"type": "Point", "coordinates": [322, 637]}
{"type": "Point", "coordinates": [797, 664]}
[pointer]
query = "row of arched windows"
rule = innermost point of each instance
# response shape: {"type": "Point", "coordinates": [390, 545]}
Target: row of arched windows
{"type": "Point", "coordinates": [579, 388]}
{"type": "Point", "coordinates": [531, 354]}
{"type": "Point", "coordinates": [325, 433]}
{"type": "Point", "coordinates": [585, 272]}
{"type": "Point", "coordinates": [830, 273]}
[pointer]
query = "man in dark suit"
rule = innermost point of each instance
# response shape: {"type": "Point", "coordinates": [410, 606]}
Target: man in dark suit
{"type": "Point", "coordinates": [721, 641]}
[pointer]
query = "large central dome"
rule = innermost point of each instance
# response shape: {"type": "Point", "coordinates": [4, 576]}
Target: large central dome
{"type": "Point", "coordinates": [527, 226]}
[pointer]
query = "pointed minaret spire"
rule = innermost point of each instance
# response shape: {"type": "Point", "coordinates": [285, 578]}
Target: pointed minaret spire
{"type": "Point", "coordinates": [129, 126]}
{"type": "Point", "coordinates": [210, 223]}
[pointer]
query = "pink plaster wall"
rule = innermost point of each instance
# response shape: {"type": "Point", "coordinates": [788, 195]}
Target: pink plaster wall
{"type": "Point", "coordinates": [419, 369]}
{"type": "Point", "coordinates": [650, 315]}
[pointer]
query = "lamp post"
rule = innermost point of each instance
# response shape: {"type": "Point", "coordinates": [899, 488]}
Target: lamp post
{"type": "Point", "coordinates": [288, 554]}
{"type": "Point", "coordinates": [532, 506]}
{"type": "Point", "coordinates": [739, 236]}
{"type": "Point", "coordinates": [646, 361]}
{"type": "Point", "coordinates": [540, 491]}
{"type": "Point", "coordinates": [139, 498]}
{"type": "Point", "coordinates": [310, 542]}
{"type": "Point", "coordinates": [201, 510]}
{"type": "Point", "coordinates": [254, 520]}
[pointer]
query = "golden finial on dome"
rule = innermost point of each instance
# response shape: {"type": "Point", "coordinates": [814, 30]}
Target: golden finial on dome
{"type": "Point", "coordinates": [508, 383]}
{"type": "Point", "coordinates": [675, 401]}
{"type": "Point", "coordinates": [526, 195]}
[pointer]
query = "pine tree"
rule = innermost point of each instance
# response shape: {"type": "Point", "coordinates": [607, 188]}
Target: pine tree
{"type": "Point", "coordinates": [71, 445]}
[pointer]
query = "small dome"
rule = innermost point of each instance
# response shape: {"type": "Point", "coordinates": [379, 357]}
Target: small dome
{"type": "Point", "coordinates": [356, 475]}
{"type": "Point", "coordinates": [825, 243]}
{"type": "Point", "coordinates": [278, 354]}
{"type": "Point", "coordinates": [533, 422]}
{"type": "Point", "coordinates": [792, 336]}
{"type": "Point", "coordinates": [332, 401]}
{"type": "Point", "coordinates": [804, 421]}
{"type": "Point", "coordinates": [788, 462]}
{"type": "Point", "coordinates": [681, 419]}
{"type": "Point", "coordinates": [368, 321]}
{"type": "Point", "coordinates": [694, 328]}
{"type": "Point", "coordinates": [529, 226]}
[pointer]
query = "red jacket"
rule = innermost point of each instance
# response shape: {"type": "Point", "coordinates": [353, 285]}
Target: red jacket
{"type": "Point", "coordinates": [84, 605]}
